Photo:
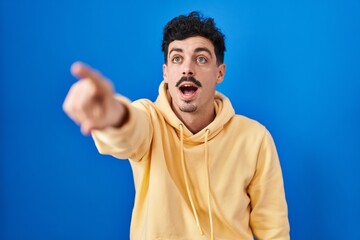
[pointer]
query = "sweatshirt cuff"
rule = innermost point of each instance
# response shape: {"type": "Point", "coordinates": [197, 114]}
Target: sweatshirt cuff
{"type": "Point", "coordinates": [112, 137]}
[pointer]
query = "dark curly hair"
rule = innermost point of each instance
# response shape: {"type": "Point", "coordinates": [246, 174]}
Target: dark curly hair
{"type": "Point", "coordinates": [182, 27]}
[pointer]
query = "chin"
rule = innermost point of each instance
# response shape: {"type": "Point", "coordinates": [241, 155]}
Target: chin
{"type": "Point", "coordinates": [188, 108]}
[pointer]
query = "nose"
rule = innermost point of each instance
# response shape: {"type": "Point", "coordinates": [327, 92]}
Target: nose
{"type": "Point", "coordinates": [188, 69]}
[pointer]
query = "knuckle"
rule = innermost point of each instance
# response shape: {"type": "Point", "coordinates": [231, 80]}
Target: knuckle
{"type": "Point", "coordinates": [67, 106]}
{"type": "Point", "coordinates": [97, 74]}
{"type": "Point", "coordinates": [89, 88]}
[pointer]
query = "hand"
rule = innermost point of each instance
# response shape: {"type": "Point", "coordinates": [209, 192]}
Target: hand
{"type": "Point", "coordinates": [90, 101]}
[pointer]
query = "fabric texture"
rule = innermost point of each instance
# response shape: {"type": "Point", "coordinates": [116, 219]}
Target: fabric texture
{"type": "Point", "coordinates": [224, 182]}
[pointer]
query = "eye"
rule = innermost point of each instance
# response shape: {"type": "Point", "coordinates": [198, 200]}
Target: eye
{"type": "Point", "coordinates": [176, 59]}
{"type": "Point", "coordinates": [201, 59]}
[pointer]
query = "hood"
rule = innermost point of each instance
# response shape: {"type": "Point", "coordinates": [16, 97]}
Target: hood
{"type": "Point", "coordinates": [223, 109]}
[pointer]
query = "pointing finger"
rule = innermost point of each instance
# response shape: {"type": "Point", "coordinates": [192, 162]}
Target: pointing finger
{"type": "Point", "coordinates": [81, 70]}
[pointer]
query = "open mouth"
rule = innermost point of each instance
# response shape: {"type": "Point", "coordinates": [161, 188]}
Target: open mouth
{"type": "Point", "coordinates": [188, 89]}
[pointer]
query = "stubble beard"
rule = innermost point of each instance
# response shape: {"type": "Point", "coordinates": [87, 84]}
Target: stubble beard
{"type": "Point", "coordinates": [188, 107]}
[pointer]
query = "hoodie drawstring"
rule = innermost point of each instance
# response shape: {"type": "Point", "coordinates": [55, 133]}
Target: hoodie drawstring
{"type": "Point", "coordinates": [186, 178]}
{"type": "Point", "coordinates": [208, 181]}
{"type": "Point", "coordinates": [208, 184]}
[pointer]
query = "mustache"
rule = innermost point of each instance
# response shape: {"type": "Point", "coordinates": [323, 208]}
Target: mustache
{"type": "Point", "coordinates": [188, 79]}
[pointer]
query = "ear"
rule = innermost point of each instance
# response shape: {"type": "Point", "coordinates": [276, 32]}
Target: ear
{"type": "Point", "coordinates": [221, 73]}
{"type": "Point", "coordinates": [165, 73]}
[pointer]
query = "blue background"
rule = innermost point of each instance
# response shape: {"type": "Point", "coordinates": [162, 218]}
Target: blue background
{"type": "Point", "coordinates": [292, 65]}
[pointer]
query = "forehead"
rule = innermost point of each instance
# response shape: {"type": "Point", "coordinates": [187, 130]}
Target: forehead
{"type": "Point", "coordinates": [191, 44]}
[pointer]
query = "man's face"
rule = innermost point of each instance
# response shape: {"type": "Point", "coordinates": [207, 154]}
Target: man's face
{"type": "Point", "coordinates": [192, 74]}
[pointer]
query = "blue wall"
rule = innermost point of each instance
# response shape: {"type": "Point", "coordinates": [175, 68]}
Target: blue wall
{"type": "Point", "coordinates": [292, 65]}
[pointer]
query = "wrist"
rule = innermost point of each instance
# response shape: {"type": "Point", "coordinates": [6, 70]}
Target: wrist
{"type": "Point", "coordinates": [122, 115]}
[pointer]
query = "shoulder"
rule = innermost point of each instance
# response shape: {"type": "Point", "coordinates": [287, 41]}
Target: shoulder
{"type": "Point", "coordinates": [242, 128]}
{"type": "Point", "coordinates": [246, 123]}
{"type": "Point", "coordinates": [149, 108]}
{"type": "Point", "coordinates": [144, 104]}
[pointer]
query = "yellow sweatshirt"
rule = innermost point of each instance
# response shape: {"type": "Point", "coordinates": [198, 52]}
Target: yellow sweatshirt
{"type": "Point", "coordinates": [224, 182]}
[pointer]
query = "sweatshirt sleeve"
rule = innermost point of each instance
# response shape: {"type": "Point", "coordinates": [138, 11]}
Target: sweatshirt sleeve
{"type": "Point", "coordinates": [269, 213]}
{"type": "Point", "coordinates": [130, 141]}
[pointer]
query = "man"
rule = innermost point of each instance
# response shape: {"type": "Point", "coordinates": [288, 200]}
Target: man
{"type": "Point", "coordinates": [200, 170]}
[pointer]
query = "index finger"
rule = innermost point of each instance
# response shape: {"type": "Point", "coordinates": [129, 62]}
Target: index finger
{"type": "Point", "coordinates": [82, 70]}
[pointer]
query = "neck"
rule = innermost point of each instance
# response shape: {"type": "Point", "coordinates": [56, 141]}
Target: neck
{"type": "Point", "coordinates": [196, 121]}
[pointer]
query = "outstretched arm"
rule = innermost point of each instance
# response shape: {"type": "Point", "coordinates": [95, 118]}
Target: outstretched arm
{"type": "Point", "coordinates": [90, 101]}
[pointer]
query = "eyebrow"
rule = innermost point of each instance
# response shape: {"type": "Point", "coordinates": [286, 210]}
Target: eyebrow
{"type": "Point", "coordinates": [197, 50]}
{"type": "Point", "coordinates": [203, 49]}
{"type": "Point", "coordinates": [175, 50]}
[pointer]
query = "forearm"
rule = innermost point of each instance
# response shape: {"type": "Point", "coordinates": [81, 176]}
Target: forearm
{"type": "Point", "coordinates": [130, 139]}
